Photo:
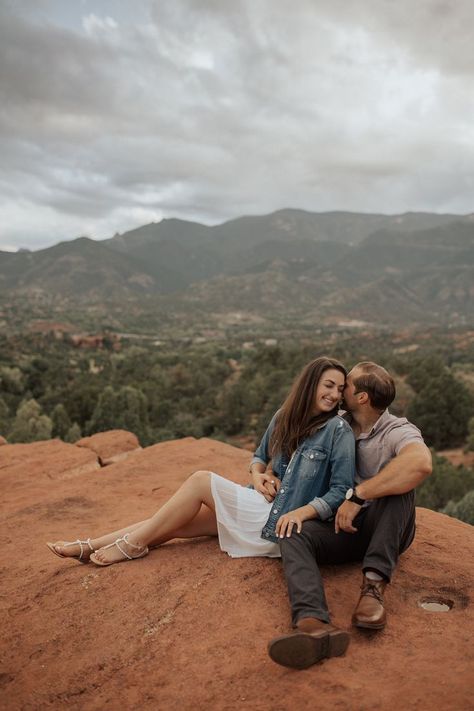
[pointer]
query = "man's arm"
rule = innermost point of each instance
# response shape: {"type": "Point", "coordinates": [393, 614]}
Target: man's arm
{"type": "Point", "coordinates": [402, 474]}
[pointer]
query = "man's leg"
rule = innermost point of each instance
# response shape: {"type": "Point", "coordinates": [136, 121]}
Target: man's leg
{"type": "Point", "coordinates": [389, 525]}
{"type": "Point", "coordinates": [302, 554]}
{"type": "Point", "coordinates": [315, 637]}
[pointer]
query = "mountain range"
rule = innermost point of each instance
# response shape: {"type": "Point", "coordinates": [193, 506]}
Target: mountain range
{"type": "Point", "coordinates": [377, 268]}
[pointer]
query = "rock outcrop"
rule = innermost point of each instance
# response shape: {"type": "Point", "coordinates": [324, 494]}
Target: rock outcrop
{"type": "Point", "coordinates": [112, 446]}
{"type": "Point", "coordinates": [187, 626]}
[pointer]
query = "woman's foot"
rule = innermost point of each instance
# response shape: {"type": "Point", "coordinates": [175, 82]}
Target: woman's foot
{"type": "Point", "coordinates": [118, 551]}
{"type": "Point", "coordinates": [80, 550]}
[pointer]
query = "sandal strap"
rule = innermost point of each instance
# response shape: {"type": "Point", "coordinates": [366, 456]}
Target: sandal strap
{"type": "Point", "coordinates": [117, 543]}
{"type": "Point", "coordinates": [143, 549]}
{"type": "Point", "coordinates": [125, 538]}
{"type": "Point", "coordinates": [81, 545]}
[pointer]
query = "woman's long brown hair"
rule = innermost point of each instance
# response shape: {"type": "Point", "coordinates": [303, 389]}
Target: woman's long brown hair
{"type": "Point", "coordinates": [296, 419]}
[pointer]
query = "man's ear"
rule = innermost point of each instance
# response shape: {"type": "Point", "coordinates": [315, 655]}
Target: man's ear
{"type": "Point", "coordinates": [363, 398]}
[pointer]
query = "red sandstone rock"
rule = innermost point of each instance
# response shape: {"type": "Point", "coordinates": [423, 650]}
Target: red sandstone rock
{"type": "Point", "coordinates": [30, 472]}
{"type": "Point", "coordinates": [187, 626]}
{"type": "Point", "coordinates": [3, 440]}
{"type": "Point", "coordinates": [111, 446]}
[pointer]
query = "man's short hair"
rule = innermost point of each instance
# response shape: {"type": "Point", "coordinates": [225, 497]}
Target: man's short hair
{"type": "Point", "coordinates": [376, 382]}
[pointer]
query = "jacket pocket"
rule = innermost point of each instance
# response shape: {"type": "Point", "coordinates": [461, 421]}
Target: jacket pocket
{"type": "Point", "coordinates": [313, 460]}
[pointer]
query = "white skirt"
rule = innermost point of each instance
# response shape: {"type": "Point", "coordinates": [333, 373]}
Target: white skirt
{"type": "Point", "coordinates": [241, 514]}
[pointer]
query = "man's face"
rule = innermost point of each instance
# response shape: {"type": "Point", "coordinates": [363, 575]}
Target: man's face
{"type": "Point", "coordinates": [350, 402]}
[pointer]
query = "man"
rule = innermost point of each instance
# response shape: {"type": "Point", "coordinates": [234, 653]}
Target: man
{"type": "Point", "coordinates": [374, 525]}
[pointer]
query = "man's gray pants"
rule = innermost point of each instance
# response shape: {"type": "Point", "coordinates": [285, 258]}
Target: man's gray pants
{"type": "Point", "coordinates": [385, 529]}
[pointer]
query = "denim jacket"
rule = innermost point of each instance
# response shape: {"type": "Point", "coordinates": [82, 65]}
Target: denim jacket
{"type": "Point", "coordinates": [319, 472]}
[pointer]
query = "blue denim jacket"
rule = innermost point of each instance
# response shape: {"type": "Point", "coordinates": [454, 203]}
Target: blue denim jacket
{"type": "Point", "coordinates": [319, 473]}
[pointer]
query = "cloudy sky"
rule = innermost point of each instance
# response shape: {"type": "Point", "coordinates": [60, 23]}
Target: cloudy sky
{"type": "Point", "coordinates": [114, 114]}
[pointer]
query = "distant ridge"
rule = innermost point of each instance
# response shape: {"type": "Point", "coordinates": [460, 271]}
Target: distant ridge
{"type": "Point", "coordinates": [347, 262]}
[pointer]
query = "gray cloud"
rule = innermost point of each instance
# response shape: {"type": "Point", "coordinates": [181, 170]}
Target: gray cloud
{"type": "Point", "coordinates": [209, 110]}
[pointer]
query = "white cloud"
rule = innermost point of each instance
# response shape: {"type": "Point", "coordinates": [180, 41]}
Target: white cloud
{"type": "Point", "coordinates": [204, 109]}
{"type": "Point", "coordinates": [95, 26]}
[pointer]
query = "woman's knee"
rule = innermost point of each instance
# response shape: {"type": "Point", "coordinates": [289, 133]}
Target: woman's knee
{"type": "Point", "coordinates": [200, 476]}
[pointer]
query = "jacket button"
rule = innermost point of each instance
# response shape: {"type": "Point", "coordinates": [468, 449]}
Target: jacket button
{"type": "Point", "coordinates": [311, 456]}
{"type": "Point", "coordinates": [275, 510]}
{"type": "Point", "coordinates": [282, 491]}
{"type": "Point", "coordinates": [266, 535]}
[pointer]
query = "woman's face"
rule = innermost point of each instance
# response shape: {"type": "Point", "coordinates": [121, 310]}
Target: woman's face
{"type": "Point", "coordinates": [329, 391]}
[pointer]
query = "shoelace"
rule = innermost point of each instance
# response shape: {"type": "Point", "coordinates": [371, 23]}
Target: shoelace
{"type": "Point", "coordinates": [372, 590]}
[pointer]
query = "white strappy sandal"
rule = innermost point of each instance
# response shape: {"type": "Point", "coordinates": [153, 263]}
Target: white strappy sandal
{"type": "Point", "coordinates": [81, 544]}
{"type": "Point", "coordinates": [126, 556]}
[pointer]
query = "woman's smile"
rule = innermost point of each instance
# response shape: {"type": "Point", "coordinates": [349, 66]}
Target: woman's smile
{"type": "Point", "coordinates": [329, 391]}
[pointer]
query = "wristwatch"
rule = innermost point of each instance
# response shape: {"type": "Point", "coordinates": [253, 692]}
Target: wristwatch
{"type": "Point", "coordinates": [352, 496]}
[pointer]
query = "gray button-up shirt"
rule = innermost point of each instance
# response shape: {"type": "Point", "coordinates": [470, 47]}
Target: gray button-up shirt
{"type": "Point", "coordinates": [386, 439]}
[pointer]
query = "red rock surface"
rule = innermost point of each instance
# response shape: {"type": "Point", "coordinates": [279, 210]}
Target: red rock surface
{"type": "Point", "coordinates": [187, 626]}
{"type": "Point", "coordinates": [112, 446]}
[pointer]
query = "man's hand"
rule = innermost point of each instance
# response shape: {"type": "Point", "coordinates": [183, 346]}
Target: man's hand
{"type": "Point", "coordinates": [345, 515]}
{"type": "Point", "coordinates": [288, 521]}
{"type": "Point", "coordinates": [266, 484]}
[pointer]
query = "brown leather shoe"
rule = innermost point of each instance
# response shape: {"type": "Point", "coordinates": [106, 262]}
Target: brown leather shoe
{"type": "Point", "coordinates": [313, 640]}
{"type": "Point", "coordinates": [370, 613]}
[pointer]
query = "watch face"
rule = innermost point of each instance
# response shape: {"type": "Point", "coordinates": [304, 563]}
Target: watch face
{"type": "Point", "coordinates": [349, 493]}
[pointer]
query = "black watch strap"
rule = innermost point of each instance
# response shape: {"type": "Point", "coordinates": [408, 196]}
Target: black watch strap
{"type": "Point", "coordinates": [357, 500]}
{"type": "Point", "coordinates": [352, 496]}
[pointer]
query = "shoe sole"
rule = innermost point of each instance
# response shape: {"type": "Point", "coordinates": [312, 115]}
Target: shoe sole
{"type": "Point", "coordinates": [369, 626]}
{"type": "Point", "coordinates": [301, 650]}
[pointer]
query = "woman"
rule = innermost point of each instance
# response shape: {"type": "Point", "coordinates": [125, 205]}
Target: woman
{"type": "Point", "coordinates": [312, 455]}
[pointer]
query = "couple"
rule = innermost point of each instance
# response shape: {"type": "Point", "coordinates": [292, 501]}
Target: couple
{"type": "Point", "coordinates": [340, 489]}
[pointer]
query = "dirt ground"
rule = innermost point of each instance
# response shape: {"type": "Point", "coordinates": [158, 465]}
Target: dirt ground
{"type": "Point", "coordinates": [187, 626]}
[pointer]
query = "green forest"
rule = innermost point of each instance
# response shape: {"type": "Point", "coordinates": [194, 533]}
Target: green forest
{"type": "Point", "coordinates": [228, 391]}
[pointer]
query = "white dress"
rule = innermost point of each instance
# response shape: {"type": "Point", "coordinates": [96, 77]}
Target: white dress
{"type": "Point", "coordinates": [241, 514]}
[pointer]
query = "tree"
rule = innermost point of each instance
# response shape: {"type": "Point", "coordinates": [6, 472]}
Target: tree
{"type": "Point", "coordinates": [11, 380]}
{"type": "Point", "coordinates": [29, 424]}
{"type": "Point", "coordinates": [441, 409]}
{"type": "Point", "coordinates": [126, 408]}
{"type": "Point", "coordinates": [36, 375]}
{"type": "Point", "coordinates": [73, 433]}
{"type": "Point", "coordinates": [185, 424]}
{"type": "Point", "coordinates": [463, 509]}
{"type": "Point", "coordinates": [61, 421]}
{"type": "Point", "coordinates": [424, 371]}
{"type": "Point", "coordinates": [446, 483]}
{"type": "Point", "coordinates": [4, 417]}
{"type": "Point", "coordinates": [470, 435]}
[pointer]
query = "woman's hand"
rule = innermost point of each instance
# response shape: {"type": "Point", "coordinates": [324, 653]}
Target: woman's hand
{"type": "Point", "coordinates": [288, 521]}
{"type": "Point", "coordinates": [266, 484]}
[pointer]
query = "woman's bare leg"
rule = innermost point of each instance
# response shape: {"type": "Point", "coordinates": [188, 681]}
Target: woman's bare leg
{"type": "Point", "coordinates": [173, 520]}
{"type": "Point", "coordinates": [72, 551]}
{"type": "Point", "coordinates": [203, 524]}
